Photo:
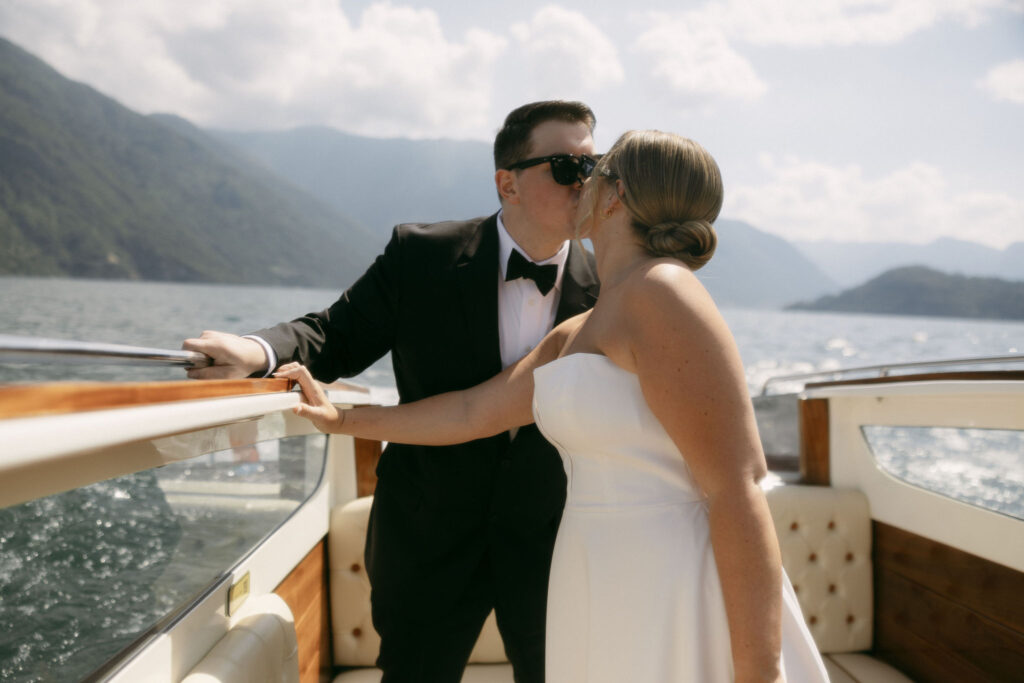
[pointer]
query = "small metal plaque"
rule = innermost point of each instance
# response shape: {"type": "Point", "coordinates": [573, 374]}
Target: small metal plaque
{"type": "Point", "coordinates": [237, 594]}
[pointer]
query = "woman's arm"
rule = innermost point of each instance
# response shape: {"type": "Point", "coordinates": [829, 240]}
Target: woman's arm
{"type": "Point", "coordinates": [500, 403]}
{"type": "Point", "coordinates": [692, 378]}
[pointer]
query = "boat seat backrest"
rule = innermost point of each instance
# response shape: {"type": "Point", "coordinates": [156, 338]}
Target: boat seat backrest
{"type": "Point", "coordinates": [260, 645]}
{"type": "Point", "coordinates": [825, 538]}
{"type": "Point", "coordinates": [356, 643]}
{"type": "Point", "coordinates": [824, 535]}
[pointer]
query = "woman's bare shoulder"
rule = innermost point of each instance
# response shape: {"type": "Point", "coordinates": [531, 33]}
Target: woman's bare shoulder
{"type": "Point", "coordinates": [664, 297]}
{"type": "Point", "coordinates": [664, 282]}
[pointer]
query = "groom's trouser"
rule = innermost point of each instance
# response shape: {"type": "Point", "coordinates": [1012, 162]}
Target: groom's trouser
{"type": "Point", "coordinates": [436, 573]}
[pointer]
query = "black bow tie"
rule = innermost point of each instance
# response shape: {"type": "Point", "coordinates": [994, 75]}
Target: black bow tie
{"type": "Point", "coordinates": [543, 276]}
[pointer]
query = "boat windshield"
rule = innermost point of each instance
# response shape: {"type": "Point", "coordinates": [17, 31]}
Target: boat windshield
{"type": "Point", "coordinates": [86, 573]}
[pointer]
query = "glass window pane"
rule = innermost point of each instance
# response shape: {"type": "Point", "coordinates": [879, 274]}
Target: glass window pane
{"type": "Point", "coordinates": [84, 573]}
{"type": "Point", "coordinates": [983, 467]}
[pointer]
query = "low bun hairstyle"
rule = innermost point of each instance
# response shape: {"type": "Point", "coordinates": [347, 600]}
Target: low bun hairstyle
{"type": "Point", "coordinates": [692, 242]}
{"type": "Point", "coordinates": [672, 190]}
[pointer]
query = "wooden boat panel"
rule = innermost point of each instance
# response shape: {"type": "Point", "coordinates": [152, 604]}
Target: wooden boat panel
{"type": "Point", "coordinates": [929, 636]}
{"type": "Point", "coordinates": [814, 442]}
{"type": "Point", "coordinates": [305, 592]}
{"type": "Point", "coordinates": [990, 589]}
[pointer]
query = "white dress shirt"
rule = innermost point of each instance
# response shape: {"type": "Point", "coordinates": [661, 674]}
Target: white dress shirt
{"type": "Point", "coordinates": [524, 315]}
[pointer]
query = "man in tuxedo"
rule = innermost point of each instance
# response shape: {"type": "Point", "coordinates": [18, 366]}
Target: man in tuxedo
{"type": "Point", "coordinates": [458, 530]}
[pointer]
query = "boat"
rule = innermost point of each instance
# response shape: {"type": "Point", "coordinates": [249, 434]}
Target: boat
{"type": "Point", "coordinates": [901, 574]}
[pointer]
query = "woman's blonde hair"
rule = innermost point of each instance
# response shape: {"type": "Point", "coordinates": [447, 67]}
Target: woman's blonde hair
{"type": "Point", "coordinates": [672, 189]}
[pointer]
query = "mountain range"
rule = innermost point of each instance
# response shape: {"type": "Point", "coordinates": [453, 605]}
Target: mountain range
{"type": "Point", "coordinates": [852, 263]}
{"type": "Point", "coordinates": [918, 290]}
{"type": "Point", "coordinates": [427, 180]}
{"type": "Point", "coordinates": [89, 188]}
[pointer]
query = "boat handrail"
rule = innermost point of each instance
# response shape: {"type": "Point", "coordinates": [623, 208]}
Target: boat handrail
{"type": "Point", "coordinates": [19, 349]}
{"type": "Point", "coordinates": [887, 369]}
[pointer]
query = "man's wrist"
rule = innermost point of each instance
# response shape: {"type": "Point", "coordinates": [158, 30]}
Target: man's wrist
{"type": "Point", "coordinates": [268, 350]}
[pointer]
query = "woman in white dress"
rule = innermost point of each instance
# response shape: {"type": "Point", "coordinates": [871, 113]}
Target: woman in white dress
{"type": "Point", "coordinates": [666, 567]}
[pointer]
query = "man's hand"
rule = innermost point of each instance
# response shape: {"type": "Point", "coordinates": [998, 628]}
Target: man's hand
{"type": "Point", "coordinates": [233, 357]}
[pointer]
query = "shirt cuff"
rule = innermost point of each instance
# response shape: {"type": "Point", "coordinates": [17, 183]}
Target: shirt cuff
{"type": "Point", "coordinates": [267, 349]}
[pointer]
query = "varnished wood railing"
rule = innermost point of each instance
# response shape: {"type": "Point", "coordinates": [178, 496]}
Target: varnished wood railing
{"type": "Point", "coordinates": [69, 397]}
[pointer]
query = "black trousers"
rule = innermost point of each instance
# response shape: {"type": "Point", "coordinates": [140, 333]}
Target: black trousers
{"type": "Point", "coordinates": [437, 571]}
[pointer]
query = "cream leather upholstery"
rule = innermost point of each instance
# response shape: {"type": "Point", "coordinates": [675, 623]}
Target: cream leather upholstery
{"type": "Point", "coordinates": [825, 537]}
{"type": "Point", "coordinates": [824, 534]}
{"type": "Point", "coordinates": [259, 647]}
{"type": "Point", "coordinates": [355, 641]}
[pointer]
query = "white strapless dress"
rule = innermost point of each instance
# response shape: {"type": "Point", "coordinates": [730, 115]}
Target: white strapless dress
{"type": "Point", "coordinates": [634, 593]}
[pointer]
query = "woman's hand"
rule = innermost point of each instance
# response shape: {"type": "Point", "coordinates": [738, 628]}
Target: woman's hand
{"type": "Point", "coordinates": [314, 407]}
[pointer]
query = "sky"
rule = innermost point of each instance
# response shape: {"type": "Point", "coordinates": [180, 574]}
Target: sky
{"type": "Point", "coordinates": [846, 120]}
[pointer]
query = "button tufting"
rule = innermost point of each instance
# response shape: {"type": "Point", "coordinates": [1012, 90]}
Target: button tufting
{"type": "Point", "coordinates": [356, 632]}
{"type": "Point", "coordinates": [813, 557]}
{"type": "Point", "coordinates": [831, 525]}
{"type": "Point", "coordinates": [796, 588]}
{"type": "Point", "coordinates": [794, 526]}
{"type": "Point", "coordinates": [849, 557]}
{"type": "Point", "coordinates": [812, 620]}
{"type": "Point", "coordinates": [831, 588]}
{"type": "Point", "coordinates": [849, 618]}
{"type": "Point", "coordinates": [355, 567]}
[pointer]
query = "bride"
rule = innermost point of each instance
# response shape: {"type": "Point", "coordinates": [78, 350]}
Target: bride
{"type": "Point", "coordinates": [666, 566]}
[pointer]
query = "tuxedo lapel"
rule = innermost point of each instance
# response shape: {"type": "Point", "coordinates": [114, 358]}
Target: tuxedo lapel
{"type": "Point", "coordinates": [476, 274]}
{"type": "Point", "coordinates": [579, 284]}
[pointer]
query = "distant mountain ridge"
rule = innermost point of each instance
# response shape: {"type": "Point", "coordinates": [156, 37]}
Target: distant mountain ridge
{"type": "Point", "coordinates": [379, 182]}
{"type": "Point", "coordinates": [919, 290]}
{"type": "Point", "coordinates": [853, 263]}
{"type": "Point", "coordinates": [89, 188]}
{"type": "Point", "coordinates": [428, 180]}
{"type": "Point", "coordinates": [754, 269]}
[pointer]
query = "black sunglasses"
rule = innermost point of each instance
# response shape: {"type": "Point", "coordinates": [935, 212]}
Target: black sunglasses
{"type": "Point", "coordinates": [566, 169]}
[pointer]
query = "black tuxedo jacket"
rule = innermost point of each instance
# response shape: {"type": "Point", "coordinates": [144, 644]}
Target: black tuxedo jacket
{"type": "Point", "coordinates": [431, 299]}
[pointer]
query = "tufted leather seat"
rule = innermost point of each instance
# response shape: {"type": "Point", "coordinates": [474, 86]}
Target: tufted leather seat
{"type": "Point", "coordinates": [260, 645]}
{"type": "Point", "coordinates": [825, 538]}
{"type": "Point", "coordinates": [355, 641]}
{"type": "Point", "coordinates": [824, 535]}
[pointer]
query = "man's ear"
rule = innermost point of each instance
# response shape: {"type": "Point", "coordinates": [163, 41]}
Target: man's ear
{"type": "Point", "coordinates": [508, 186]}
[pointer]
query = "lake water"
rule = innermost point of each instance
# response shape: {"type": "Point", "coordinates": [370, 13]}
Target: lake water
{"type": "Point", "coordinates": [60, 556]}
{"type": "Point", "coordinates": [162, 315]}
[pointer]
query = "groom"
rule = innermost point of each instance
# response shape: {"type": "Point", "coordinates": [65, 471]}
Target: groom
{"type": "Point", "coordinates": [456, 531]}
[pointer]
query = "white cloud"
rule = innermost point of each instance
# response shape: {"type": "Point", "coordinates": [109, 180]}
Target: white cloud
{"type": "Point", "coordinates": [693, 56]}
{"type": "Point", "coordinates": [806, 200]}
{"type": "Point", "coordinates": [799, 23]}
{"type": "Point", "coordinates": [1005, 81]}
{"type": "Point", "coordinates": [690, 61]}
{"type": "Point", "coordinates": [565, 51]}
{"type": "Point", "coordinates": [269, 64]}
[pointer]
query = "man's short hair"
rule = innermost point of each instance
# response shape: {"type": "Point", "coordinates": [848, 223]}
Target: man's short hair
{"type": "Point", "coordinates": [512, 143]}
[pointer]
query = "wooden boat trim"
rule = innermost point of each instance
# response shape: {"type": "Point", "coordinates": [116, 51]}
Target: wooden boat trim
{"type": "Point", "coordinates": [56, 398]}
{"type": "Point", "coordinates": [975, 376]}
{"type": "Point", "coordinates": [73, 397]}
